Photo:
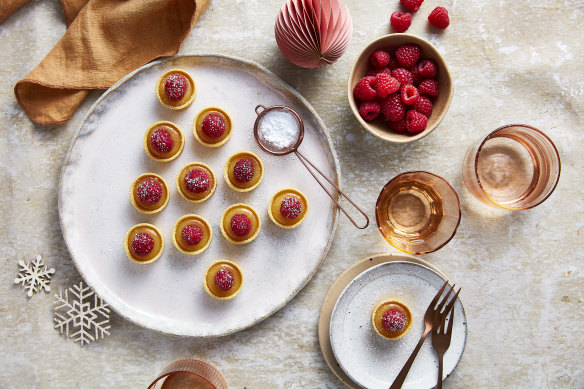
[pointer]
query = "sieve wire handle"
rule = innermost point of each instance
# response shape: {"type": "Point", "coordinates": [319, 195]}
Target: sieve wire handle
{"type": "Point", "coordinates": [306, 164]}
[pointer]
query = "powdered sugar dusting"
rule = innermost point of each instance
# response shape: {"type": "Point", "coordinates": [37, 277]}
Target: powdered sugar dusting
{"type": "Point", "coordinates": [278, 130]}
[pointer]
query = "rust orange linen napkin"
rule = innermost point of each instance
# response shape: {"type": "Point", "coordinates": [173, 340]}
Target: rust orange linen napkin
{"type": "Point", "coordinates": [106, 39]}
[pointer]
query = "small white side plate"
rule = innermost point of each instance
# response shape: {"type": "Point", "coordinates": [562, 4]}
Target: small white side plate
{"type": "Point", "coordinates": [374, 362]}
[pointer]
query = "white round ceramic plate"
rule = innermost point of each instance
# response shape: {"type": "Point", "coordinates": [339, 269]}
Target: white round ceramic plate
{"type": "Point", "coordinates": [372, 361]}
{"type": "Point", "coordinates": [107, 155]}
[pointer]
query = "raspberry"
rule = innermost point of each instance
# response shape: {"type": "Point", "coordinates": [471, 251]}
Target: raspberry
{"type": "Point", "coordinates": [400, 21]}
{"type": "Point", "coordinates": [409, 94]}
{"type": "Point", "coordinates": [393, 108]}
{"type": "Point", "coordinates": [240, 224]}
{"type": "Point", "coordinates": [142, 244]}
{"type": "Point", "coordinates": [393, 64]}
{"type": "Point", "coordinates": [290, 208]}
{"type": "Point", "coordinates": [243, 170]}
{"type": "Point", "coordinates": [149, 192]}
{"type": "Point", "coordinates": [415, 122]}
{"type": "Point", "coordinates": [161, 140]}
{"type": "Point", "coordinates": [439, 17]}
{"type": "Point", "coordinates": [197, 181]}
{"type": "Point", "coordinates": [393, 320]}
{"type": "Point", "coordinates": [427, 69]}
{"type": "Point", "coordinates": [364, 91]}
{"type": "Point", "coordinates": [213, 125]}
{"type": "Point", "coordinates": [386, 85]}
{"type": "Point", "coordinates": [412, 5]}
{"type": "Point", "coordinates": [424, 106]}
{"type": "Point", "coordinates": [175, 86]}
{"type": "Point", "coordinates": [192, 234]}
{"type": "Point", "coordinates": [416, 77]}
{"type": "Point", "coordinates": [369, 110]}
{"type": "Point", "coordinates": [403, 76]}
{"type": "Point", "coordinates": [224, 279]}
{"type": "Point", "coordinates": [375, 72]}
{"type": "Point", "coordinates": [379, 59]}
{"type": "Point", "coordinates": [429, 87]}
{"type": "Point", "coordinates": [408, 55]}
{"type": "Point", "coordinates": [397, 126]}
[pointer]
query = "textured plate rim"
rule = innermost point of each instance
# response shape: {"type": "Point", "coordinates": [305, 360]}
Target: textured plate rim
{"type": "Point", "coordinates": [203, 55]}
{"type": "Point", "coordinates": [372, 268]}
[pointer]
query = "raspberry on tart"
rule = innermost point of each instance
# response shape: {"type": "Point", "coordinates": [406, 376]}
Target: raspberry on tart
{"type": "Point", "coordinates": [391, 319]}
{"type": "Point", "coordinates": [149, 193]}
{"type": "Point", "coordinates": [164, 141]}
{"type": "Point", "coordinates": [212, 127]}
{"type": "Point", "coordinates": [223, 280]}
{"type": "Point", "coordinates": [144, 243]}
{"type": "Point", "coordinates": [243, 171]}
{"type": "Point", "coordinates": [196, 182]}
{"type": "Point", "coordinates": [175, 89]}
{"type": "Point", "coordinates": [288, 208]}
{"type": "Point", "coordinates": [240, 224]}
{"type": "Point", "coordinates": [191, 234]}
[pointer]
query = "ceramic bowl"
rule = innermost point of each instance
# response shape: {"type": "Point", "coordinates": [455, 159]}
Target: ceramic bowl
{"type": "Point", "coordinates": [391, 42]}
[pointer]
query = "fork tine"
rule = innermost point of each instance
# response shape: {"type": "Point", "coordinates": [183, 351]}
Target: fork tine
{"type": "Point", "coordinates": [433, 303]}
{"type": "Point", "coordinates": [449, 307]}
{"type": "Point", "coordinates": [445, 299]}
{"type": "Point", "coordinates": [449, 329]}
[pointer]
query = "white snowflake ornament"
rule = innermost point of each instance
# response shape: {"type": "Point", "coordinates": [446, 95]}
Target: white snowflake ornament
{"type": "Point", "coordinates": [34, 276]}
{"type": "Point", "coordinates": [81, 314]}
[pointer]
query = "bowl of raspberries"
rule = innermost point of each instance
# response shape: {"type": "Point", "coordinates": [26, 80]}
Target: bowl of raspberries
{"type": "Point", "coordinates": [400, 88]}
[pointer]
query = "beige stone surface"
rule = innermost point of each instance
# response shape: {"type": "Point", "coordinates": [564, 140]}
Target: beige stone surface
{"type": "Point", "coordinates": [521, 272]}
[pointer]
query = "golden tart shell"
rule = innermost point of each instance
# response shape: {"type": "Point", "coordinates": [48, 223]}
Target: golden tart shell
{"type": "Point", "coordinates": [180, 243]}
{"type": "Point", "coordinates": [156, 236]}
{"type": "Point", "coordinates": [191, 196]}
{"type": "Point", "coordinates": [209, 280]}
{"type": "Point", "coordinates": [274, 208]}
{"type": "Point", "coordinates": [203, 138]}
{"type": "Point", "coordinates": [144, 207]}
{"type": "Point", "coordinates": [225, 223]}
{"type": "Point", "coordinates": [189, 94]}
{"type": "Point", "coordinates": [258, 174]}
{"type": "Point", "coordinates": [176, 135]}
{"type": "Point", "coordinates": [384, 306]}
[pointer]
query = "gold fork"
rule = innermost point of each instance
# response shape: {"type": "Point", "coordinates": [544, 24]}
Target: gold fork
{"type": "Point", "coordinates": [441, 335]}
{"type": "Point", "coordinates": [429, 323]}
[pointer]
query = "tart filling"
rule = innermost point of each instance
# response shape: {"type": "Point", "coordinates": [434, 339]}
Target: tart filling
{"type": "Point", "coordinates": [164, 141]}
{"type": "Point", "coordinates": [191, 234]}
{"type": "Point", "coordinates": [240, 224]}
{"type": "Point", "coordinates": [175, 89]}
{"type": "Point", "coordinates": [196, 182]}
{"type": "Point", "coordinates": [288, 208]}
{"type": "Point", "coordinates": [144, 243]}
{"type": "Point", "coordinates": [223, 280]}
{"type": "Point", "coordinates": [392, 319]}
{"type": "Point", "coordinates": [149, 193]}
{"type": "Point", "coordinates": [212, 127]}
{"type": "Point", "coordinates": [243, 171]}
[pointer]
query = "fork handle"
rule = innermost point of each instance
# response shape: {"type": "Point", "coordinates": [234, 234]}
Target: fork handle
{"type": "Point", "coordinates": [401, 377]}
{"type": "Point", "coordinates": [440, 365]}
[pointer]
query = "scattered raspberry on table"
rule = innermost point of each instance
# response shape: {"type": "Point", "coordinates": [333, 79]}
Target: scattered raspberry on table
{"type": "Point", "coordinates": [400, 21]}
{"type": "Point", "coordinates": [439, 17]}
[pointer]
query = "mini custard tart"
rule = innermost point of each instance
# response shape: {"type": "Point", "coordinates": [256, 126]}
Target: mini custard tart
{"type": "Point", "coordinates": [243, 171]}
{"type": "Point", "coordinates": [144, 243]}
{"type": "Point", "coordinates": [196, 182]}
{"type": "Point", "coordinates": [212, 127]}
{"type": "Point", "coordinates": [191, 234]}
{"type": "Point", "coordinates": [240, 224]}
{"type": "Point", "coordinates": [175, 89]}
{"type": "Point", "coordinates": [149, 193]}
{"type": "Point", "coordinates": [164, 141]}
{"type": "Point", "coordinates": [223, 280]}
{"type": "Point", "coordinates": [392, 319]}
{"type": "Point", "coordinates": [288, 208]}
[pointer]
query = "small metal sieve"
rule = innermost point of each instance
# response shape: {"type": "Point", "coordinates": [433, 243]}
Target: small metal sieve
{"type": "Point", "coordinates": [273, 149]}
